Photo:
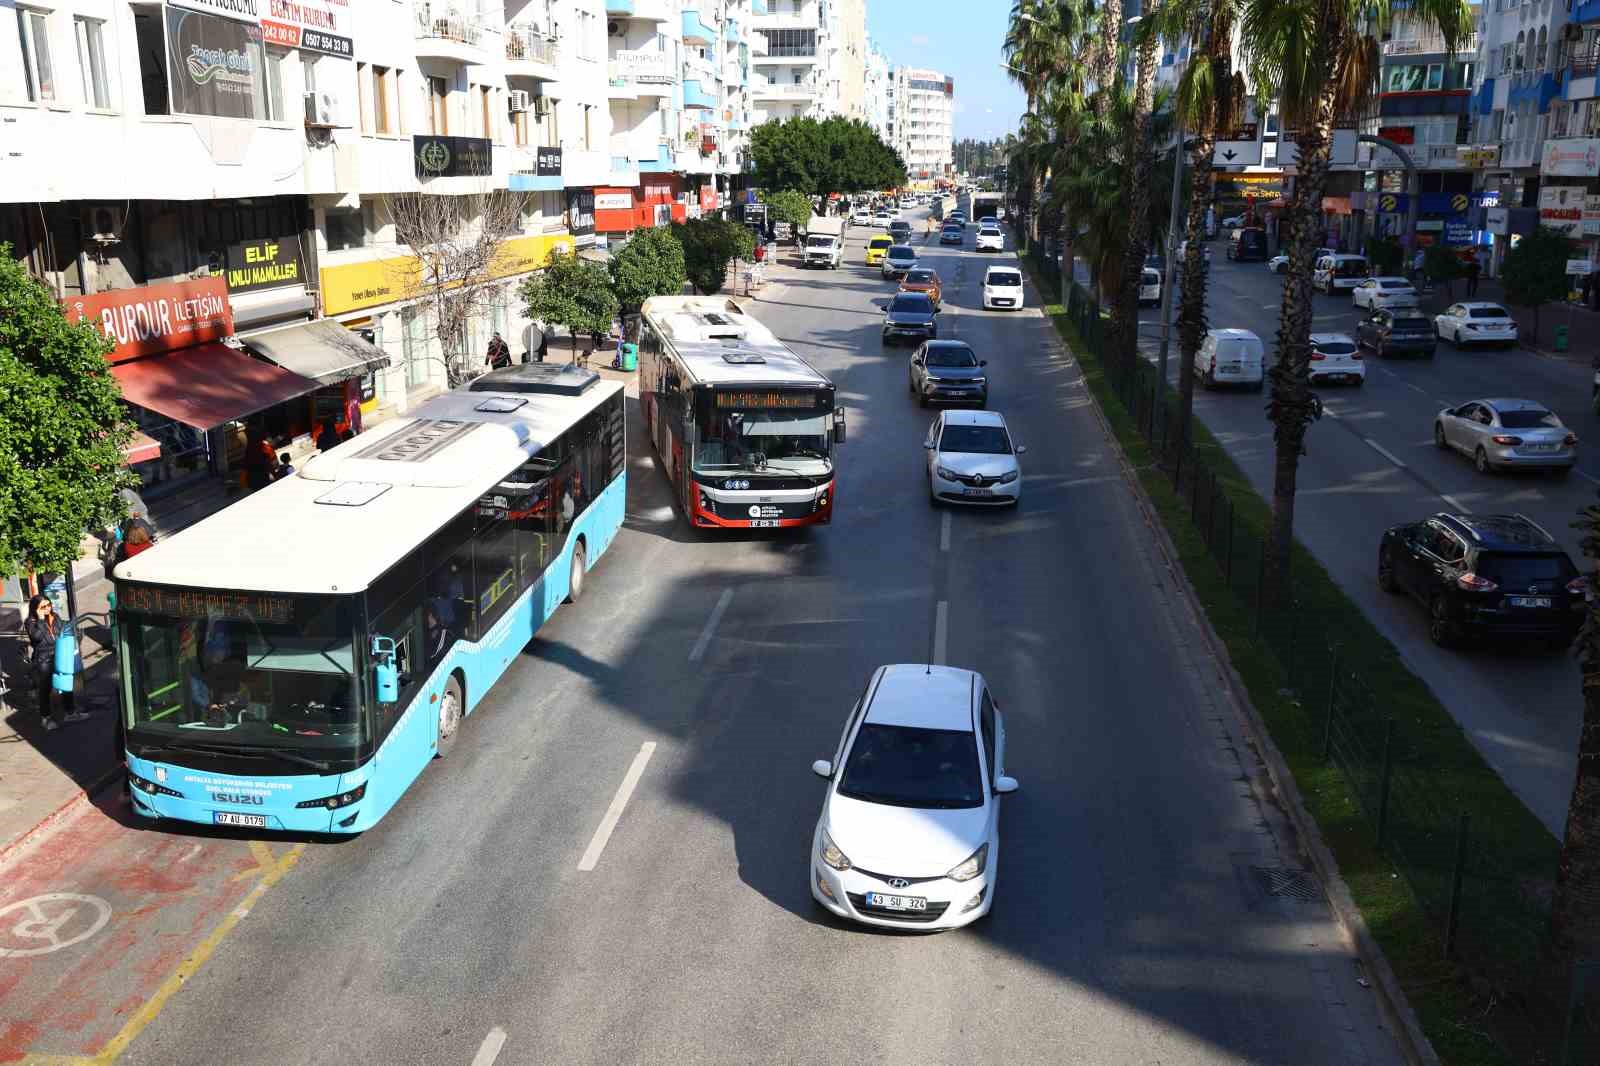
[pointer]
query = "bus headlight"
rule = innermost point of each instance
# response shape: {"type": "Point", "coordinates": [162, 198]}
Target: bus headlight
{"type": "Point", "coordinates": [150, 788]}
{"type": "Point", "coordinates": [822, 502]}
{"type": "Point", "coordinates": [333, 803]}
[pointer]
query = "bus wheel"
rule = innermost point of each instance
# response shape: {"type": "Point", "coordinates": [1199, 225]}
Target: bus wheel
{"type": "Point", "coordinates": [579, 570]}
{"type": "Point", "coordinates": [450, 712]}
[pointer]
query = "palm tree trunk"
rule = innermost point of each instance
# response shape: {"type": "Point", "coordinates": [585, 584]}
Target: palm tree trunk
{"type": "Point", "coordinates": [1293, 406]}
{"type": "Point", "coordinates": [1136, 182]}
{"type": "Point", "coordinates": [1575, 907]}
{"type": "Point", "coordinates": [1192, 306]}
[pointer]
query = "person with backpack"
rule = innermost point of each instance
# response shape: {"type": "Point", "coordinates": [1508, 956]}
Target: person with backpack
{"type": "Point", "coordinates": [499, 353]}
{"type": "Point", "coordinates": [40, 632]}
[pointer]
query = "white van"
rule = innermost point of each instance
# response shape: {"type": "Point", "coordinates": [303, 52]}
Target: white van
{"type": "Point", "coordinates": [1231, 357]}
{"type": "Point", "coordinates": [1339, 273]}
{"type": "Point", "coordinates": [1149, 288]}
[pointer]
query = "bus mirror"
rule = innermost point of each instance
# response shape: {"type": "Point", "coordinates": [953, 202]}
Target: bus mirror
{"type": "Point", "coordinates": [385, 671]}
{"type": "Point", "coordinates": [838, 425]}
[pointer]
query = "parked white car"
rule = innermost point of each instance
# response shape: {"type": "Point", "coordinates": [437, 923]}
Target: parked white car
{"type": "Point", "coordinates": [1231, 357]}
{"type": "Point", "coordinates": [1383, 291]}
{"type": "Point", "coordinates": [972, 459]}
{"type": "Point", "coordinates": [1002, 287]}
{"type": "Point", "coordinates": [990, 239]}
{"type": "Point", "coordinates": [1339, 273]}
{"type": "Point", "coordinates": [1279, 264]}
{"type": "Point", "coordinates": [1476, 323]}
{"type": "Point", "coordinates": [909, 834]}
{"type": "Point", "coordinates": [1336, 358]}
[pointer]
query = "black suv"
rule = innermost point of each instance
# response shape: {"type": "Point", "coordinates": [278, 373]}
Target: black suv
{"type": "Point", "coordinates": [1484, 575]}
{"type": "Point", "coordinates": [1400, 329]}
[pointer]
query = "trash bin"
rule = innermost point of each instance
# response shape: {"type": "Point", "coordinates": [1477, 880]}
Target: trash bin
{"type": "Point", "coordinates": [1561, 338]}
{"type": "Point", "coordinates": [630, 356]}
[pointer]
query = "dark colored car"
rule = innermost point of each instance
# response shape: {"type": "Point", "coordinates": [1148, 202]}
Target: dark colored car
{"type": "Point", "coordinates": [1392, 331]}
{"type": "Point", "coordinates": [1247, 245]}
{"type": "Point", "coordinates": [900, 230]}
{"type": "Point", "coordinates": [1484, 575]}
{"type": "Point", "coordinates": [949, 372]}
{"type": "Point", "coordinates": [910, 314]}
{"type": "Point", "coordinates": [952, 234]}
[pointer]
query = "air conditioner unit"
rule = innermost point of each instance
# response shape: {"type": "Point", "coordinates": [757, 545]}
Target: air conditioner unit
{"type": "Point", "coordinates": [543, 106]}
{"type": "Point", "coordinates": [321, 109]}
{"type": "Point", "coordinates": [519, 100]}
{"type": "Point", "coordinates": [102, 223]}
{"type": "Point", "coordinates": [616, 29]}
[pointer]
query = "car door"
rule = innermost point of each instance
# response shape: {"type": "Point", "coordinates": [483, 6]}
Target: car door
{"type": "Point", "coordinates": [1477, 428]}
{"type": "Point", "coordinates": [1455, 423]}
{"type": "Point", "coordinates": [1439, 560]}
{"type": "Point", "coordinates": [1452, 316]}
{"type": "Point", "coordinates": [1406, 556]}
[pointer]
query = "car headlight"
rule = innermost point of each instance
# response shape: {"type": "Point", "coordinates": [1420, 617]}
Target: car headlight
{"type": "Point", "coordinates": [972, 867]}
{"type": "Point", "coordinates": [948, 475]}
{"type": "Point", "coordinates": [830, 853]}
{"type": "Point", "coordinates": [1008, 477]}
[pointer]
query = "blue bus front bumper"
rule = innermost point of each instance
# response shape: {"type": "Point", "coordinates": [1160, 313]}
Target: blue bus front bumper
{"type": "Point", "coordinates": [269, 802]}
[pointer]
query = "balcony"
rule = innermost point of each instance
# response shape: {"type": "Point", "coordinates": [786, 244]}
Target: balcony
{"type": "Point", "coordinates": [695, 95]}
{"type": "Point", "coordinates": [1585, 64]}
{"type": "Point", "coordinates": [651, 10]}
{"type": "Point", "coordinates": [635, 75]}
{"type": "Point", "coordinates": [730, 30]}
{"type": "Point", "coordinates": [758, 44]}
{"type": "Point", "coordinates": [1428, 43]}
{"type": "Point", "coordinates": [758, 7]}
{"type": "Point", "coordinates": [1521, 153]}
{"type": "Point", "coordinates": [790, 54]}
{"type": "Point", "coordinates": [695, 29]}
{"type": "Point", "coordinates": [448, 33]}
{"type": "Point", "coordinates": [529, 54]}
{"type": "Point", "coordinates": [775, 91]}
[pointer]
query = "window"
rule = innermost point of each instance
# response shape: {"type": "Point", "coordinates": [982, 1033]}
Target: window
{"type": "Point", "coordinates": [397, 82]}
{"type": "Point", "coordinates": [588, 127]}
{"type": "Point", "coordinates": [552, 211]}
{"type": "Point", "coordinates": [486, 107]}
{"type": "Point", "coordinates": [587, 36]}
{"type": "Point", "coordinates": [438, 106]}
{"type": "Point", "coordinates": [414, 342]}
{"type": "Point", "coordinates": [271, 107]}
{"type": "Point", "coordinates": [363, 98]}
{"type": "Point", "coordinates": [346, 228]}
{"type": "Point", "coordinates": [33, 33]}
{"type": "Point", "coordinates": [92, 61]}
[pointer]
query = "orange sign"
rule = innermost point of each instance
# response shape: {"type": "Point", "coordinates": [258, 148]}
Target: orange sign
{"type": "Point", "coordinates": [157, 318]}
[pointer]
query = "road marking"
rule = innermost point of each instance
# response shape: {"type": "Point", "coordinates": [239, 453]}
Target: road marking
{"type": "Point", "coordinates": [45, 924]}
{"type": "Point", "coordinates": [489, 1050]}
{"type": "Point", "coordinates": [941, 632]}
{"type": "Point", "coordinates": [710, 630]}
{"type": "Point", "coordinates": [1453, 502]}
{"type": "Point", "coordinates": [1587, 477]}
{"type": "Point", "coordinates": [630, 781]}
{"type": "Point", "coordinates": [944, 532]}
{"type": "Point", "coordinates": [1385, 452]}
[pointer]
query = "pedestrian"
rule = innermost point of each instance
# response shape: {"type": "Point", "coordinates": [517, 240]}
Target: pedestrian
{"type": "Point", "coordinates": [499, 352]}
{"type": "Point", "coordinates": [136, 539]}
{"type": "Point", "coordinates": [1416, 267]}
{"type": "Point", "coordinates": [284, 467]}
{"type": "Point", "coordinates": [259, 459]}
{"type": "Point", "coordinates": [1473, 270]}
{"type": "Point", "coordinates": [327, 437]}
{"type": "Point", "coordinates": [40, 631]}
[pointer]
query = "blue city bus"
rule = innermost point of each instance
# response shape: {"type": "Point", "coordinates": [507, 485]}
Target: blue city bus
{"type": "Point", "coordinates": [293, 662]}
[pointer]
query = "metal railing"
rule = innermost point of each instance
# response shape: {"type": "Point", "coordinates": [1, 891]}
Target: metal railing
{"type": "Point", "coordinates": [447, 25]}
{"type": "Point", "coordinates": [1429, 43]}
{"type": "Point", "coordinates": [530, 46]}
{"type": "Point", "coordinates": [1585, 64]}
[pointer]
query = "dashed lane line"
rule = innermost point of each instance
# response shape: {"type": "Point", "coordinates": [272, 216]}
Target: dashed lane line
{"type": "Point", "coordinates": [710, 630]}
{"type": "Point", "coordinates": [489, 1050]}
{"type": "Point", "coordinates": [608, 824]}
{"type": "Point", "coordinates": [1385, 452]}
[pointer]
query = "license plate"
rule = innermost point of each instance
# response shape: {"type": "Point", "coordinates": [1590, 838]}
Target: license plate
{"type": "Point", "coordinates": [1528, 601]}
{"type": "Point", "coordinates": [1546, 447]}
{"type": "Point", "coordinates": [249, 821]}
{"type": "Point", "coordinates": [1001, 303]}
{"type": "Point", "coordinates": [764, 523]}
{"type": "Point", "coordinates": [976, 492]}
{"type": "Point", "coordinates": [896, 903]}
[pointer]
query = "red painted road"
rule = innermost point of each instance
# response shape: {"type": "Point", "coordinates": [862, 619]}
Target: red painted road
{"type": "Point", "coordinates": [98, 914]}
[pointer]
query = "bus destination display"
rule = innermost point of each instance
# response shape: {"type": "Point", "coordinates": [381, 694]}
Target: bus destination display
{"type": "Point", "coordinates": [206, 603]}
{"type": "Point", "coordinates": [787, 399]}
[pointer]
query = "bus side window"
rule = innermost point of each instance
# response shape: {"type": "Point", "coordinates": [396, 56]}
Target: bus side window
{"type": "Point", "coordinates": [451, 590]}
{"type": "Point", "coordinates": [494, 560]}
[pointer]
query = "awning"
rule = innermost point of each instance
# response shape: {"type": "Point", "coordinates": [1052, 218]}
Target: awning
{"type": "Point", "coordinates": [207, 385]}
{"type": "Point", "coordinates": [141, 449]}
{"type": "Point", "coordinates": [261, 309]}
{"type": "Point", "coordinates": [594, 255]}
{"type": "Point", "coordinates": [322, 350]}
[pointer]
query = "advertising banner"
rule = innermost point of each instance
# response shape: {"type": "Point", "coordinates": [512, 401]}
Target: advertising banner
{"type": "Point", "coordinates": [547, 162]}
{"type": "Point", "coordinates": [243, 10]}
{"type": "Point", "coordinates": [152, 319]}
{"type": "Point", "coordinates": [613, 201]}
{"type": "Point", "coordinates": [314, 25]}
{"type": "Point", "coordinates": [1561, 209]}
{"type": "Point", "coordinates": [1497, 220]}
{"type": "Point", "coordinates": [1571, 157]}
{"type": "Point", "coordinates": [1591, 216]}
{"type": "Point", "coordinates": [1458, 233]}
{"type": "Point", "coordinates": [265, 264]}
{"type": "Point", "coordinates": [213, 65]}
{"type": "Point", "coordinates": [580, 216]}
{"type": "Point", "coordinates": [452, 157]}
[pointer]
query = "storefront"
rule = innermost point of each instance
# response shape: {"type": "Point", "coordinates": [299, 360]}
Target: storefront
{"type": "Point", "coordinates": [657, 200]}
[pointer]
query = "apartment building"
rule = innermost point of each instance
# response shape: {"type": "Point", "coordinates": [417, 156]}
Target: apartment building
{"type": "Point", "coordinates": [924, 122]}
{"type": "Point", "coordinates": [879, 88]}
{"type": "Point", "coordinates": [809, 59]}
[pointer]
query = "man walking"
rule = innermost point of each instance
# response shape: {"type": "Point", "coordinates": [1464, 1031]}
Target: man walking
{"type": "Point", "coordinates": [1473, 270]}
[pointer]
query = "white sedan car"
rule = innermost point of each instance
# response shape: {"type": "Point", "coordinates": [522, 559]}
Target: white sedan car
{"type": "Point", "coordinates": [1002, 287]}
{"type": "Point", "coordinates": [1279, 264]}
{"type": "Point", "coordinates": [972, 459]}
{"type": "Point", "coordinates": [990, 239]}
{"type": "Point", "coordinates": [1476, 323]}
{"type": "Point", "coordinates": [1383, 291]}
{"type": "Point", "coordinates": [861, 218]}
{"type": "Point", "coordinates": [909, 835]}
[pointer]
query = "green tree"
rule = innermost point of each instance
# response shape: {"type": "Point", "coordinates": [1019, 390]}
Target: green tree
{"type": "Point", "coordinates": [823, 156]}
{"type": "Point", "coordinates": [1535, 272]}
{"type": "Point", "coordinates": [1385, 255]}
{"type": "Point", "coordinates": [62, 428]}
{"type": "Point", "coordinates": [1439, 263]}
{"type": "Point", "coordinates": [650, 264]}
{"type": "Point", "coordinates": [709, 245]}
{"type": "Point", "coordinates": [791, 206]}
{"type": "Point", "coordinates": [571, 292]}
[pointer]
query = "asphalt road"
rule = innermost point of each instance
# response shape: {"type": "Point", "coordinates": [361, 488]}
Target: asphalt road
{"type": "Point", "coordinates": [1128, 927]}
{"type": "Point", "coordinates": [1372, 463]}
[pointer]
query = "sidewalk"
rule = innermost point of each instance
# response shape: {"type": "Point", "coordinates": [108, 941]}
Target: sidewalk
{"type": "Point", "coordinates": [1583, 325]}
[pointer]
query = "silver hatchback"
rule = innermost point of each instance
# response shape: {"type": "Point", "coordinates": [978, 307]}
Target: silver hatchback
{"type": "Point", "coordinates": [1502, 434]}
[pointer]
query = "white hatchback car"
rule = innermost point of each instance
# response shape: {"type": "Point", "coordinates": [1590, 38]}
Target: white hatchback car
{"type": "Point", "coordinates": [1149, 287]}
{"type": "Point", "coordinates": [1002, 287]}
{"type": "Point", "coordinates": [861, 218]}
{"type": "Point", "coordinates": [909, 835]}
{"type": "Point", "coordinates": [990, 239]}
{"type": "Point", "coordinates": [1385, 291]}
{"type": "Point", "coordinates": [1476, 323]}
{"type": "Point", "coordinates": [1336, 358]}
{"type": "Point", "coordinates": [972, 459]}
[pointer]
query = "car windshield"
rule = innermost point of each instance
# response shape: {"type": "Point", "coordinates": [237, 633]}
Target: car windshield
{"type": "Point", "coordinates": [912, 303]}
{"type": "Point", "coordinates": [879, 242]}
{"type": "Point", "coordinates": [1334, 347]}
{"type": "Point", "coordinates": [907, 766]}
{"type": "Point", "coordinates": [902, 251]}
{"type": "Point", "coordinates": [1350, 268]}
{"type": "Point", "coordinates": [1513, 572]}
{"type": "Point", "coordinates": [1151, 278]}
{"type": "Point", "coordinates": [916, 276]}
{"type": "Point", "coordinates": [1410, 323]}
{"type": "Point", "coordinates": [943, 356]}
{"type": "Point", "coordinates": [1005, 279]}
{"type": "Point", "coordinates": [818, 242]}
{"type": "Point", "coordinates": [774, 440]}
{"type": "Point", "coordinates": [975, 440]}
{"type": "Point", "coordinates": [1487, 312]}
{"type": "Point", "coordinates": [1529, 419]}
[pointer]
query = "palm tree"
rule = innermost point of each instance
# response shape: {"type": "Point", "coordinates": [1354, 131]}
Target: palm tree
{"type": "Point", "coordinates": [1038, 57]}
{"type": "Point", "coordinates": [1136, 179]}
{"type": "Point", "coordinates": [1319, 59]}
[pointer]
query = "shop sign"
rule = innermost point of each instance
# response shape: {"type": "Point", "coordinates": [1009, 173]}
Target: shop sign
{"type": "Point", "coordinates": [1591, 215]}
{"type": "Point", "coordinates": [1581, 267]}
{"type": "Point", "coordinates": [580, 216]}
{"type": "Point", "coordinates": [307, 40]}
{"type": "Point", "coordinates": [1497, 220]}
{"type": "Point", "coordinates": [243, 10]}
{"type": "Point", "coordinates": [265, 264]}
{"type": "Point", "coordinates": [308, 24]}
{"type": "Point", "coordinates": [1478, 156]}
{"type": "Point", "coordinates": [547, 162]}
{"type": "Point", "coordinates": [1561, 208]}
{"type": "Point", "coordinates": [613, 201]}
{"type": "Point", "coordinates": [1394, 202]}
{"type": "Point", "coordinates": [452, 157]}
{"type": "Point", "coordinates": [521, 255]}
{"type": "Point", "coordinates": [152, 319]}
{"type": "Point", "coordinates": [708, 197]}
{"type": "Point", "coordinates": [1571, 157]}
{"type": "Point", "coordinates": [1458, 233]}
{"type": "Point", "coordinates": [213, 65]}
{"type": "Point", "coordinates": [353, 286]}
{"type": "Point", "coordinates": [1430, 225]}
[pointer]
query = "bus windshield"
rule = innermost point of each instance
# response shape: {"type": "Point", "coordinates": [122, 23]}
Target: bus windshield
{"type": "Point", "coordinates": [257, 673]}
{"type": "Point", "coordinates": [788, 437]}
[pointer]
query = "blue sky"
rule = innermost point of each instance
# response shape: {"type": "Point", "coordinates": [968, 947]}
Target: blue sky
{"type": "Point", "coordinates": [962, 39]}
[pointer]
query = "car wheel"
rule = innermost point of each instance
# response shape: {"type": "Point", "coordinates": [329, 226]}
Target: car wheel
{"type": "Point", "coordinates": [1386, 580]}
{"type": "Point", "coordinates": [1440, 629]}
{"type": "Point", "coordinates": [577, 572]}
{"type": "Point", "coordinates": [448, 724]}
{"type": "Point", "coordinates": [1480, 459]}
{"type": "Point", "coordinates": [1438, 436]}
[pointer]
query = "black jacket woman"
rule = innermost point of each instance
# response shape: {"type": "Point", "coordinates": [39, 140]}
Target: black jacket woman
{"type": "Point", "coordinates": [40, 631]}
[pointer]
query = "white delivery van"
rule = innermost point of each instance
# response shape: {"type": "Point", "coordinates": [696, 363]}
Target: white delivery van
{"type": "Point", "coordinates": [824, 242]}
{"type": "Point", "coordinates": [1231, 357]}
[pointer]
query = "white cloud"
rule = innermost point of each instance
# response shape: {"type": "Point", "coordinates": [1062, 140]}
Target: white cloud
{"type": "Point", "coordinates": [990, 111]}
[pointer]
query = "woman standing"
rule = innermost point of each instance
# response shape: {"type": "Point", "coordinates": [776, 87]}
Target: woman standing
{"type": "Point", "coordinates": [40, 630]}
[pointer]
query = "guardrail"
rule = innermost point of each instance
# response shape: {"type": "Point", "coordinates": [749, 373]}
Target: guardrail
{"type": "Point", "coordinates": [531, 47]}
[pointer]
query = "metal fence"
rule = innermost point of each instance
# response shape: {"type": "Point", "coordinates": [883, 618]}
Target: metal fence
{"type": "Point", "coordinates": [1485, 898]}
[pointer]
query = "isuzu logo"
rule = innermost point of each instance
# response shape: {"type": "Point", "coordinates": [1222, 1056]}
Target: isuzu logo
{"type": "Point", "coordinates": [239, 798]}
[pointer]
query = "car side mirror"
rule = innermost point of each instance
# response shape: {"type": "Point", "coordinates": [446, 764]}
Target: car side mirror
{"type": "Point", "coordinates": [1022, 449]}
{"type": "Point", "coordinates": [822, 768]}
{"type": "Point", "coordinates": [838, 425]}
{"type": "Point", "coordinates": [927, 445]}
{"type": "Point", "coordinates": [385, 671]}
{"type": "Point", "coordinates": [983, 362]}
{"type": "Point", "coordinates": [1004, 786]}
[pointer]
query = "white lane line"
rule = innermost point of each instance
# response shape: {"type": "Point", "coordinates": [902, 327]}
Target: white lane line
{"type": "Point", "coordinates": [1385, 452]}
{"type": "Point", "coordinates": [630, 781]}
{"type": "Point", "coordinates": [1587, 477]}
{"type": "Point", "coordinates": [944, 531]}
{"type": "Point", "coordinates": [1453, 502]}
{"type": "Point", "coordinates": [489, 1050]}
{"type": "Point", "coordinates": [710, 630]}
{"type": "Point", "coordinates": [941, 632]}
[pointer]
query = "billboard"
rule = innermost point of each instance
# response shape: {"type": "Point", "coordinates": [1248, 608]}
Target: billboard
{"type": "Point", "coordinates": [214, 65]}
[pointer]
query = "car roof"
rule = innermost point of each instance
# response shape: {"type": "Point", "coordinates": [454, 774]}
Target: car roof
{"type": "Point", "coordinates": [998, 266]}
{"type": "Point", "coordinates": [1330, 338]}
{"type": "Point", "coordinates": [903, 250]}
{"type": "Point", "coordinates": [1470, 304]}
{"type": "Point", "coordinates": [1511, 403]}
{"type": "Point", "coordinates": [881, 238]}
{"type": "Point", "coordinates": [948, 343]}
{"type": "Point", "coordinates": [1343, 255]}
{"type": "Point", "coordinates": [930, 697]}
{"type": "Point", "coordinates": [1501, 532]}
{"type": "Point", "coordinates": [1390, 277]}
{"type": "Point", "coordinates": [974, 418]}
{"type": "Point", "coordinates": [1233, 334]}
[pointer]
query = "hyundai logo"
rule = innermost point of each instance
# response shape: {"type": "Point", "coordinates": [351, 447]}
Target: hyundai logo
{"type": "Point", "coordinates": [735, 483]}
{"type": "Point", "coordinates": [899, 882]}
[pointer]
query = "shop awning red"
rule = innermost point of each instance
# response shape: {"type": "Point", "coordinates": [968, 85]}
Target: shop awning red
{"type": "Point", "coordinates": [207, 385]}
{"type": "Point", "coordinates": [141, 449]}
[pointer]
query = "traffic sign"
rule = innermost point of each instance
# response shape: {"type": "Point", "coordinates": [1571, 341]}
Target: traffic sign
{"type": "Point", "coordinates": [1241, 148]}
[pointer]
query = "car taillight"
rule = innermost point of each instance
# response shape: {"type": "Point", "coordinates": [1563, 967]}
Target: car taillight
{"type": "Point", "coordinates": [1501, 438]}
{"type": "Point", "coordinates": [1570, 440]}
{"type": "Point", "coordinates": [1356, 356]}
{"type": "Point", "coordinates": [1578, 586]}
{"type": "Point", "coordinates": [1473, 583]}
{"type": "Point", "coordinates": [1317, 357]}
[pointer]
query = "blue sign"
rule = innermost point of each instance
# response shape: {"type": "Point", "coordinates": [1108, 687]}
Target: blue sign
{"type": "Point", "coordinates": [1458, 233]}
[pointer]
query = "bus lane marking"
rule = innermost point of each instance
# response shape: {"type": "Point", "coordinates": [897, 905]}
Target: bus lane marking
{"type": "Point", "coordinates": [710, 630]}
{"type": "Point", "coordinates": [489, 1050]}
{"type": "Point", "coordinates": [630, 781]}
{"type": "Point", "coordinates": [941, 632]}
{"type": "Point", "coordinates": [944, 533]}
{"type": "Point", "coordinates": [42, 925]}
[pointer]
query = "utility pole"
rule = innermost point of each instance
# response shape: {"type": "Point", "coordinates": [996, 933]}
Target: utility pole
{"type": "Point", "coordinates": [1166, 280]}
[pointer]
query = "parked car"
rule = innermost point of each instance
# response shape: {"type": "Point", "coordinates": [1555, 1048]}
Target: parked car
{"type": "Point", "coordinates": [1484, 576]}
{"type": "Point", "coordinates": [949, 371]}
{"type": "Point", "coordinates": [909, 833]}
{"type": "Point", "coordinates": [1339, 273]}
{"type": "Point", "coordinates": [1233, 222]}
{"type": "Point", "coordinates": [861, 218]}
{"type": "Point", "coordinates": [1502, 434]}
{"type": "Point", "coordinates": [878, 247]}
{"type": "Point", "coordinates": [1390, 331]}
{"type": "Point", "coordinates": [1383, 291]}
{"type": "Point", "coordinates": [910, 314]}
{"type": "Point", "coordinates": [990, 239]}
{"type": "Point", "coordinates": [1476, 323]}
{"type": "Point", "coordinates": [1279, 264]}
{"type": "Point", "coordinates": [924, 280]}
{"type": "Point", "coordinates": [972, 458]}
{"type": "Point", "coordinates": [899, 259]}
{"type": "Point", "coordinates": [1336, 358]}
{"type": "Point", "coordinates": [1231, 357]}
{"type": "Point", "coordinates": [1002, 287]}
{"type": "Point", "coordinates": [1149, 287]}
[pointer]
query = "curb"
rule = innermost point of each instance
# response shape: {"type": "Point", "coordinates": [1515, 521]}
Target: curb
{"type": "Point", "coordinates": [1392, 1002]}
{"type": "Point", "coordinates": [49, 822]}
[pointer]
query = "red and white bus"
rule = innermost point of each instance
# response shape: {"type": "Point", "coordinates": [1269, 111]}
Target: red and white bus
{"type": "Point", "coordinates": [745, 429]}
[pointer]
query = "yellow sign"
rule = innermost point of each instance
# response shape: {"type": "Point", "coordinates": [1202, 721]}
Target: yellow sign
{"type": "Point", "coordinates": [1458, 202]}
{"type": "Point", "coordinates": [353, 286]}
{"type": "Point", "coordinates": [1387, 203]}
